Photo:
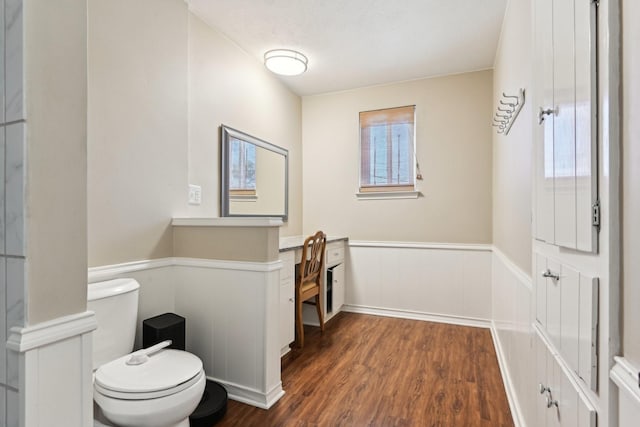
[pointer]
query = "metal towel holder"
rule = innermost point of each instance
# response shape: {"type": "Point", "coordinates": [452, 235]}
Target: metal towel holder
{"type": "Point", "coordinates": [508, 109]}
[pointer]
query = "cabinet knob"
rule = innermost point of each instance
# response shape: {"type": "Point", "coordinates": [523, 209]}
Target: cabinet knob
{"type": "Point", "coordinates": [542, 113]}
{"type": "Point", "coordinates": [551, 402]}
{"type": "Point", "coordinates": [542, 388]}
{"type": "Point", "coordinates": [549, 274]}
{"type": "Point", "coordinates": [290, 299]}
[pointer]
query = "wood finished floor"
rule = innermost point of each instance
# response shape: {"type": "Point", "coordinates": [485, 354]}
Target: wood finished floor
{"type": "Point", "coordinates": [379, 371]}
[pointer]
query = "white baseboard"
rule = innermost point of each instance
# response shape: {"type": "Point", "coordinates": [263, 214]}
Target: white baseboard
{"type": "Point", "coordinates": [514, 406]}
{"type": "Point", "coordinates": [251, 396]}
{"type": "Point", "coordinates": [415, 315]}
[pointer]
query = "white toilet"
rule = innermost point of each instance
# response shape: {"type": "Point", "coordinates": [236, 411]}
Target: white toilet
{"type": "Point", "coordinates": [154, 387]}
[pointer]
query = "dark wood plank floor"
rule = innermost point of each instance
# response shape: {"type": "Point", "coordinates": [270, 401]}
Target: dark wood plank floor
{"type": "Point", "coordinates": [379, 371]}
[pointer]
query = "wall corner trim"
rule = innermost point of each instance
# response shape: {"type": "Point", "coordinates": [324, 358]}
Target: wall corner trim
{"type": "Point", "coordinates": [524, 278]}
{"type": "Point", "coordinates": [28, 338]}
{"type": "Point", "coordinates": [625, 375]}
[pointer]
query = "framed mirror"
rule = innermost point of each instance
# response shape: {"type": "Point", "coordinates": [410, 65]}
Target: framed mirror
{"type": "Point", "coordinates": [254, 176]}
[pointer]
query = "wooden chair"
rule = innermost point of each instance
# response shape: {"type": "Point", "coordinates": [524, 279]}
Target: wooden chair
{"type": "Point", "coordinates": [308, 280]}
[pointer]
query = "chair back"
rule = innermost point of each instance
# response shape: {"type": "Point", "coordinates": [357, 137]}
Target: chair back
{"type": "Point", "coordinates": [312, 261]}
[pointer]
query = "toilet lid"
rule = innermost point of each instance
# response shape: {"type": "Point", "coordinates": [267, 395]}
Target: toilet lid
{"type": "Point", "coordinates": [164, 370]}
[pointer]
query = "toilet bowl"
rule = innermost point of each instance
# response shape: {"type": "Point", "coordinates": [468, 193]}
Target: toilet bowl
{"type": "Point", "coordinates": [161, 391]}
{"type": "Point", "coordinates": [154, 387]}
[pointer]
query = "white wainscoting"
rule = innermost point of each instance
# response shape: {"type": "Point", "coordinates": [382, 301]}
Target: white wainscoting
{"type": "Point", "coordinates": [55, 360]}
{"type": "Point", "coordinates": [436, 282]}
{"type": "Point", "coordinates": [232, 317]}
{"type": "Point", "coordinates": [512, 302]}
{"type": "Point", "coordinates": [233, 324]}
{"type": "Point", "coordinates": [625, 375]}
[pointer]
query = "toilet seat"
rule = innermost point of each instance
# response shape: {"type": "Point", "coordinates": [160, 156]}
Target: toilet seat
{"type": "Point", "coordinates": [164, 373]}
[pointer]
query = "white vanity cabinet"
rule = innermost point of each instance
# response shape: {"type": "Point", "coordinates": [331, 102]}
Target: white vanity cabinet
{"type": "Point", "coordinates": [567, 209]}
{"type": "Point", "coordinates": [332, 290]}
{"type": "Point", "coordinates": [287, 301]}
{"type": "Point", "coordinates": [560, 401]}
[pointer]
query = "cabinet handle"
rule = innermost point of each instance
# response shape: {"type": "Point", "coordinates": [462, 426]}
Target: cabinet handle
{"type": "Point", "coordinates": [542, 388]}
{"type": "Point", "coordinates": [549, 274]}
{"type": "Point", "coordinates": [551, 402]}
{"type": "Point", "coordinates": [542, 113]}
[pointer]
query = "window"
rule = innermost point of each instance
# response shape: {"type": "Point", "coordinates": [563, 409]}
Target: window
{"type": "Point", "coordinates": [242, 177]}
{"type": "Point", "coordinates": [387, 139]}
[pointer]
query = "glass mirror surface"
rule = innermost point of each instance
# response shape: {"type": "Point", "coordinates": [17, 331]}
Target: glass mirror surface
{"type": "Point", "coordinates": [254, 176]}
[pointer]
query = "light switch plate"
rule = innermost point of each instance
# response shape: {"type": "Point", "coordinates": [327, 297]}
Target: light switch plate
{"type": "Point", "coordinates": [195, 194]}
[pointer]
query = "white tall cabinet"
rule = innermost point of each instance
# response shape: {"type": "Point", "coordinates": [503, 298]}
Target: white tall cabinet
{"type": "Point", "coordinates": [566, 212]}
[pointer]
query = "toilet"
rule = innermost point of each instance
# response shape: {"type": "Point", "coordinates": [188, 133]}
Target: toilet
{"type": "Point", "coordinates": [153, 387]}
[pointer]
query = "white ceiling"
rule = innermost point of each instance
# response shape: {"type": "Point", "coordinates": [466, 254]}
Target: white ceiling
{"type": "Point", "coordinates": [356, 43]}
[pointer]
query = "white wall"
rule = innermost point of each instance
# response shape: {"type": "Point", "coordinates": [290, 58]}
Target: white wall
{"type": "Point", "coordinates": [227, 86]}
{"type": "Point", "coordinates": [512, 153]}
{"type": "Point", "coordinates": [629, 405]}
{"type": "Point", "coordinates": [631, 179]}
{"type": "Point", "coordinates": [512, 302]}
{"type": "Point", "coordinates": [137, 139]}
{"type": "Point", "coordinates": [160, 85]}
{"type": "Point", "coordinates": [453, 147]}
{"type": "Point", "coordinates": [43, 203]}
{"type": "Point", "coordinates": [449, 283]}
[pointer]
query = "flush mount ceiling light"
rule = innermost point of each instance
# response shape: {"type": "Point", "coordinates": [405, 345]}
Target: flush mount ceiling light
{"type": "Point", "coordinates": [285, 62]}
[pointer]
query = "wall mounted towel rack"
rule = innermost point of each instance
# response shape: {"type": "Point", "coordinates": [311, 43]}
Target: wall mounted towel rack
{"type": "Point", "coordinates": [508, 109]}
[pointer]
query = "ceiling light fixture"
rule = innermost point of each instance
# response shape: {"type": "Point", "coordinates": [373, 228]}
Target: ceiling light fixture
{"type": "Point", "coordinates": [285, 62]}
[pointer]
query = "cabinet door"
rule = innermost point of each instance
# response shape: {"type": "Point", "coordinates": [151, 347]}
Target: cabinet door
{"type": "Point", "coordinates": [542, 384]}
{"type": "Point", "coordinates": [541, 290]}
{"type": "Point", "coordinates": [567, 401]}
{"type": "Point", "coordinates": [287, 301]}
{"type": "Point", "coordinates": [554, 300]}
{"type": "Point", "coordinates": [564, 161]}
{"type": "Point", "coordinates": [287, 313]}
{"type": "Point", "coordinates": [586, 412]}
{"type": "Point", "coordinates": [566, 141]}
{"type": "Point", "coordinates": [588, 333]}
{"type": "Point", "coordinates": [569, 316]}
{"type": "Point", "coordinates": [554, 379]}
{"type": "Point", "coordinates": [544, 183]}
{"type": "Point", "coordinates": [586, 125]}
{"type": "Point", "coordinates": [338, 288]}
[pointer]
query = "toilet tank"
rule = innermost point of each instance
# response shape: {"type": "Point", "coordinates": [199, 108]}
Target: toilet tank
{"type": "Point", "coordinates": [115, 304]}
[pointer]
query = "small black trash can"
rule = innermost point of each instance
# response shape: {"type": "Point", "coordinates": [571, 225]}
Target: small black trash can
{"type": "Point", "coordinates": [167, 326]}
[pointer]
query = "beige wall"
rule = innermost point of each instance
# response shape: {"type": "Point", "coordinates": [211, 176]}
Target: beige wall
{"type": "Point", "coordinates": [512, 153]}
{"type": "Point", "coordinates": [453, 146]}
{"type": "Point", "coordinates": [160, 85]}
{"type": "Point", "coordinates": [227, 86]}
{"type": "Point", "coordinates": [631, 180]}
{"type": "Point", "coordinates": [56, 103]}
{"type": "Point", "coordinates": [256, 244]}
{"type": "Point", "coordinates": [137, 145]}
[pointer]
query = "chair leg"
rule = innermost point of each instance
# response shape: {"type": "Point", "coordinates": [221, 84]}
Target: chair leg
{"type": "Point", "coordinates": [299, 325]}
{"type": "Point", "coordinates": [319, 310]}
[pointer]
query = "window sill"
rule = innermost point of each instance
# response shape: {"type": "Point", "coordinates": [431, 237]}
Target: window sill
{"type": "Point", "coordinates": [243, 198]}
{"type": "Point", "coordinates": [387, 195]}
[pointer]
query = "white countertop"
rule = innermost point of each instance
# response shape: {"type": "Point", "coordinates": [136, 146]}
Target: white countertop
{"type": "Point", "coordinates": [293, 242]}
{"type": "Point", "coordinates": [228, 222]}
